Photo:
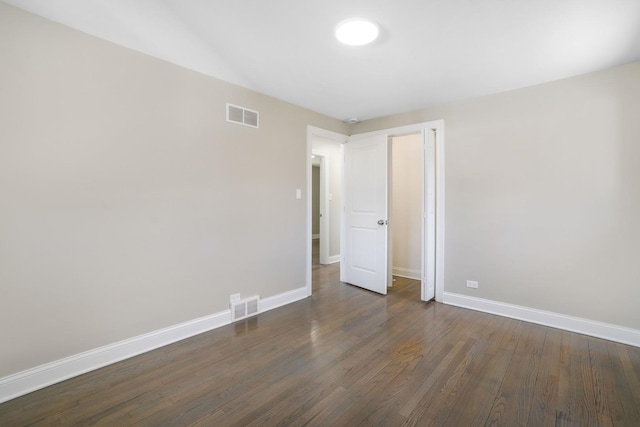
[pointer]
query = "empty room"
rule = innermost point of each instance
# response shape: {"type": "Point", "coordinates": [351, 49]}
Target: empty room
{"type": "Point", "coordinates": [162, 262]}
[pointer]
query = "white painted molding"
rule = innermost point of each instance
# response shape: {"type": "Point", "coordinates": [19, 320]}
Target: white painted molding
{"type": "Point", "coordinates": [334, 258]}
{"type": "Point", "coordinates": [283, 299]}
{"type": "Point", "coordinates": [45, 375]}
{"type": "Point", "coordinates": [593, 328]}
{"type": "Point", "coordinates": [406, 272]}
{"type": "Point", "coordinates": [325, 134]}
{"type": "Point", "coordinates": [315, 236]}
{"type": "Point", "coordinates": [440, 201]}
{"type": "Point", "coordinates": [325, 217]}
{"type": "Point", "coordinates": [78, 364]}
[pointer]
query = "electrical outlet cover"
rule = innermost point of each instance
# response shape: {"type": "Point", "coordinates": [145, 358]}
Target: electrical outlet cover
{"type": "Point", "coordinates": [234, 298]}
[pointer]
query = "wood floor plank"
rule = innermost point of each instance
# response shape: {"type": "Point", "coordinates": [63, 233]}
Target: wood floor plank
{"type": "Point", "coordinates": [608, 401]}
{"type": "Point", "coordinates": [514, 396]}
{"type": "Point", "coordinates": [545, 393]}
{"type": "Point", "coordinates": [349, 357]}
{"type": "Point", "coordinates": [566, 398]}
{"type": "Point", "coordinates": [586, 388]}
{"type": "Point", "coordinates": [488, 380]}
{"type": "Point", "coordinates": [438, 405]}
{"type": "Point", "coordinates": [574, 401]}
{"type": "Point", "coordinates": [627, 382]}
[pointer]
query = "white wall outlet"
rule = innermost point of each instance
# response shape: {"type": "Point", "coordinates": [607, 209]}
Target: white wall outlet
{"type": "Point", "coordinates": [472, 284]}
{"type": "Point", "coordinates": [234, 298]}
{"type": "Point", "coordinates": [298, 193]}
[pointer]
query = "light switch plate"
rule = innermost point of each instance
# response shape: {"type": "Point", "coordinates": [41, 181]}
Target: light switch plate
{"type": "Point", "coordinates": [298, 193]}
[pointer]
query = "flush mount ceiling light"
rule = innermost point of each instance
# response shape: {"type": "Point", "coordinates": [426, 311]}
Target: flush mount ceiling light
{"type": "Point", "coordinates": [357, 31]}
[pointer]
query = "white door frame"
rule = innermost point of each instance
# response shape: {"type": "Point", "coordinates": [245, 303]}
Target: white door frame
{"type": "Point", "coordinates": [437, 214]}
{"type": "Point", "coordinates": [312, 132]}
{"type": "Point", "coordinates": [436, 125]}
{"type": "Point", "coordinates": [325, 215]}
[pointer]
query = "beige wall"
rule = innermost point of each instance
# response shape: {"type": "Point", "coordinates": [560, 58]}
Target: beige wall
{"type": "Point", "coordinates": [332, 151]}
{"type": "Point", "coordinates": [127, 203]}
{"type": "Point", "coordinates": [543, 194]}
{"type": "Point", "coordinates": [406, 211]}
{"type": "Point", "coordinates": [315, 200]}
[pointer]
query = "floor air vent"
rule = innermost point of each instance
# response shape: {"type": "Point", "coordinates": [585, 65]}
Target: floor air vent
{"type": "Point", "coordinates": [242, 116]}
{"type": "Point", "coordinates": [245, 308]}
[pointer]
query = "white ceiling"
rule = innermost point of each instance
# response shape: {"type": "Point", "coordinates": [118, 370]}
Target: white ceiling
{"type": "Point", "coordinates": [431, 51]}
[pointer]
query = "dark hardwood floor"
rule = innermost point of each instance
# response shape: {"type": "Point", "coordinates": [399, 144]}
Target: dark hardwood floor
{"type": "Point", "coordinates": [348, 357]}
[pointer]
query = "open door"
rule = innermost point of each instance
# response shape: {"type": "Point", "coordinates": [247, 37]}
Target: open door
{"type": "Point", "coordinates": [364, 245]}
{"type": "Point", "coordinates": [429, 216]}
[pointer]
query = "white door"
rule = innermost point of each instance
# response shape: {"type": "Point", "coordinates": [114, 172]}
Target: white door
{"type": "Point", "coordinates": [429, 216]}
{"type": "Point", "coordinates": [364, 262]}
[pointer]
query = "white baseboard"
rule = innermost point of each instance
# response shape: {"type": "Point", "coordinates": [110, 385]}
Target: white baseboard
{"type": "Point", "coordinates": [283, 299]}
{"type": "Point", "coordinates": [333, 259]}
{"type": "Point", "coordinates": [593, 328]}
{"type": "Point", "coordinates": [315, 236]}
{"type": "Point", "coordinates": [406, 272]}
{"type": "Point", "coordinates": [45, 375]}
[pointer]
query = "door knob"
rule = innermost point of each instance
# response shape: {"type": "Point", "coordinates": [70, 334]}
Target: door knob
{"type": "Point", "coordinates": [381, 222]}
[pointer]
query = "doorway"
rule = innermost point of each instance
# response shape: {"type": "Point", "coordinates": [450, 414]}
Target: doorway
{"type": "Point", "coordinates": [366, 213]}
{"type": "Point", "coordinates": [319, 215]}
{"type": "Point", "coordinates": [433, 197]}
{"type": "Point", "coordinates": [324, 149]}
{"type": "Point", "coordinates": [405, 208]}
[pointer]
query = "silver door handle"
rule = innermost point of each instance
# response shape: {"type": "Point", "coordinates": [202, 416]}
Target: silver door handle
{"type": "Point", "coordinates": [381, 222]}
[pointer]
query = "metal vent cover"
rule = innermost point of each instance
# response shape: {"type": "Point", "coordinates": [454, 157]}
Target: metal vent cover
{"type": "Point", "coordinates": [242, 116]}
{"type": "Point", "coordinates": [245, 308]}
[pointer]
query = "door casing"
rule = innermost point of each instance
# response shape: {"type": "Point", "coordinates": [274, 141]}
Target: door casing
{"type": "Point", "coordinates": [325, 214]}
{"type": "Point", "coordinates": [436, 209]}
{"type": "Point", "coordinates": [312, 133]}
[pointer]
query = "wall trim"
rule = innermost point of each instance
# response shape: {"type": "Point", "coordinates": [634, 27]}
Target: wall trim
{"type": "Point", "coordinates": [42, 376]}
{"type": "Point", "coordinates": [408, 273]}
{"type": "Point", "coordinates": [593, 328]}
{"type": "Point", "coordinates": [284, 298]}
{"type": "Point", "coordinates": [334, 258]}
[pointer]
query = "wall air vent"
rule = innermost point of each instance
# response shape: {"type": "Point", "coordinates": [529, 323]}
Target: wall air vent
{"type": "Point", "coordinates": [242, 116]}
{"type": "Point", "coordinates": [245, 308]}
